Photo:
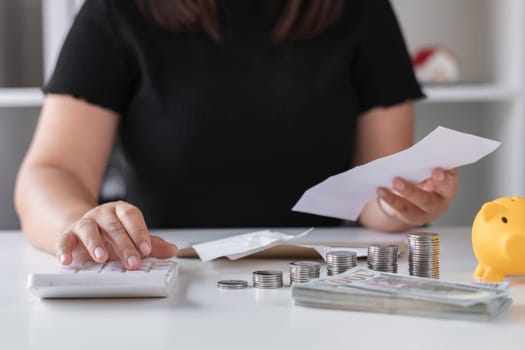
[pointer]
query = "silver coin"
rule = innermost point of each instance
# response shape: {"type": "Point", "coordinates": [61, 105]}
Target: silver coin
{"type": "Point", "coordinates": [339, 261]}
{"type": "Point", "coordinates": [303, 271]}
{"type": "Point", "coordinates": [232, 284]}
{"type": "Point", "coordinates": [267, 279]}
{"type": "Point", "coordinates": [423, 254]}
{"type": "Point", "coordinates": [383, 257]}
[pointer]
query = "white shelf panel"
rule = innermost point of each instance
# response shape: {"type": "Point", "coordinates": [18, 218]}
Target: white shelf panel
{"type": "Point", "coordinates": [469, 93]}
{"type": "Point", "coordinates": [21, 97]}
{"type": "Point", "coordinates": [33, 97]}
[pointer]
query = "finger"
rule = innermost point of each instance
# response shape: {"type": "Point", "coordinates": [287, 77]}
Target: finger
{"type": "Point", "coordinates": [404, 209]}
{"type": "Point", "coordinates": [117, 235]}
{"type": "Point", "coordinates": [162, 249]}
{"type": "Point", "coordinates": [424, 200]}
{"type": "Point", "coordinates": [81, 255]}
{"type": "Point", "coordinates": [88, 232]}
{"type": "Point", "coordinates": [65, 247]}
{"type": "Point", "coordinates": [446, 182]}
{"type": "Point", "coordinates": [428, 185]}
{"type": "Point", "coordinates": [133, 221]}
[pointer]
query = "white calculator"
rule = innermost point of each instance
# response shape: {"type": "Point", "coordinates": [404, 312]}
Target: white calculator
{"type": "Point", "coordinates": [155, 278]}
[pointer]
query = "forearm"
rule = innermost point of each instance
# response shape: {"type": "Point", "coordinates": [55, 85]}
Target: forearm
{"type": "Point", "coordinates": [373, 217]}
{"type": "Point", "coordinates": [49, 199]}
{"type": "Point", "coordinates": [381, 132]}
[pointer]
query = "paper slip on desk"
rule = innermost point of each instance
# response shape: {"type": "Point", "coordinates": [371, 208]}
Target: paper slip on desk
{"type": "Point", "coordinates": [297, 250]}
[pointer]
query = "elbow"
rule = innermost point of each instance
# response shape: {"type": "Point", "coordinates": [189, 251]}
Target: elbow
{"type": "Point", "coordinates": [20, 198]}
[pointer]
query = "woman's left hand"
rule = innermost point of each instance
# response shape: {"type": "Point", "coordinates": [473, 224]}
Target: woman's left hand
{"type": "Point", "coordinates": [418, 204]}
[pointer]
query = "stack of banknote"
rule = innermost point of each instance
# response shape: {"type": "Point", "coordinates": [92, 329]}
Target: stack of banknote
{"type": "Point", "coordinates": [361, 289]}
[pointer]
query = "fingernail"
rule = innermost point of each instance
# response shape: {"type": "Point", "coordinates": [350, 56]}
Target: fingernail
{"type": "Point", "coordinates": [133, 261]}
{"type": "Point", "coordinates": [440, 176]}
{"type": "Point", "coordinates": [145, 248]}
{"type": "Point", "coordinates": [62, 258]}
{"type": "Point", "coordinates": [399, 185]}
{"type": "Point", "coordinates": [428, 186]}
{"type": "Point", "coordinates": [99, 253]}
{"type": "Point", "coordinates": [381, 192]}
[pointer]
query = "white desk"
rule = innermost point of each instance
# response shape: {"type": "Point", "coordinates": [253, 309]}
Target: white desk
{"type": "Point", "coordinates": [200, 316]}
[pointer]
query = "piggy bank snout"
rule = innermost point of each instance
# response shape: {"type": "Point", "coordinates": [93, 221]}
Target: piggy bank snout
{"type": "Point", "coordinates": [514, 245]}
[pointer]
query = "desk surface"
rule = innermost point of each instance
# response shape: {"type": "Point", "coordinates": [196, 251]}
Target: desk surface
{"type": "Point", "coordinates": [200, 316]}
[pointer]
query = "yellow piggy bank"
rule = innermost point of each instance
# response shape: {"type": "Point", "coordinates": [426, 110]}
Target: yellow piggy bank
{"type": "Point", "coordinates": [498, 239]}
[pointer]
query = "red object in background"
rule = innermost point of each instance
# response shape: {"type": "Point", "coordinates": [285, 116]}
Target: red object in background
{"type": "Point", "coordinates": [422, 56]}
{"type": "Point", "coordinates": [436, 64]}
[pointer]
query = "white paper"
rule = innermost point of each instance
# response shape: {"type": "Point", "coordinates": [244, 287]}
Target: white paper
{"type": "Point", "coordinates": [239, 246]}
{"type": "Point", "coordinates": [344, 195]}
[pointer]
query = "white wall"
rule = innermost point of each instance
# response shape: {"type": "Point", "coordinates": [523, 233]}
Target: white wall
{"type": "Point", "coordinates": [16, 129]}
{"type": "Point", "coordinates": [20, 65]}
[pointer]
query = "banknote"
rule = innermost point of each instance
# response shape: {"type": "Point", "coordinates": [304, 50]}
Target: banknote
{"type": "Point", "coordinates": [362, 289]}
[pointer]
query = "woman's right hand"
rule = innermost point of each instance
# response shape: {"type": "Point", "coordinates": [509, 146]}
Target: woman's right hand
{"type": "Point", "coordinates": [112, 231]}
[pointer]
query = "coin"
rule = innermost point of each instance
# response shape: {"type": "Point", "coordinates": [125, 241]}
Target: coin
{"type": "Point", "coordinates": [267, 279]}
{"type": "Point", "coordinates": [423, 254]}
{"type": "Point", "coordinates": [232, 284]}
{"type": "Point", "coordinates": [303, 271]}
{"type": "Point", "coordinates": [339, 261]}
{"type": "Point", "coordinates": [382, 257]}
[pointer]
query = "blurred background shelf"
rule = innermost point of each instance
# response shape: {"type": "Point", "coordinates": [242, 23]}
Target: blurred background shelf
{"type": "Point", "coordinates": [21, 97]}
{"type": "Point", "coordinates": [470, 93]}
{"type": "Point", "coordinates": [33, 96]}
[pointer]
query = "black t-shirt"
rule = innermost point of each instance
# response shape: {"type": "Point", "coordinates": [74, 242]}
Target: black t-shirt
{"type": "Point", "coordinates": [231, 134]}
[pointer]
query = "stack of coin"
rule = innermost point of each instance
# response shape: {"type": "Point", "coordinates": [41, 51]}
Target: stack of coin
{"type": "Point", "coordinates": [267, 279]}
{"type": "Point", "coordinates": [302, 271]}
{"type": "Point", "coordinates": [383, 257]}
{"type": "Point", "coordinates": [232, 284]}
{"type": "Point", "coordinates": [339, 261]}
{"type": "Point", "coordinates": [423, 254]}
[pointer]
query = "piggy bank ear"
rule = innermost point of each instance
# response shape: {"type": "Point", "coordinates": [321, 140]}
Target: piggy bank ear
{"type": "Point", "coordinates": [491, 209]}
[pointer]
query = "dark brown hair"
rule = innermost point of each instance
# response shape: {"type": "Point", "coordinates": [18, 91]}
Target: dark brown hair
{"type": "Point", "coordinates": [296, 19]}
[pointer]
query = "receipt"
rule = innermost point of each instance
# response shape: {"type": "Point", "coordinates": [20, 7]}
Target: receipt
{"type": "Point", "coordinates": [239, 246]}
{"type": "Point", "coordinates": [344, 195]}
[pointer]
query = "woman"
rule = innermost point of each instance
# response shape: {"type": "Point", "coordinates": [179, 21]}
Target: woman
{"type": "Point", "coordinates": [227, 111]}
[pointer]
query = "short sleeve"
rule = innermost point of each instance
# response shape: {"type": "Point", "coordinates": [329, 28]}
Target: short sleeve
{"type": "Point", "coordinates": [383, 71]}
{"type": "Point", "coordinates": [93, 63]}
